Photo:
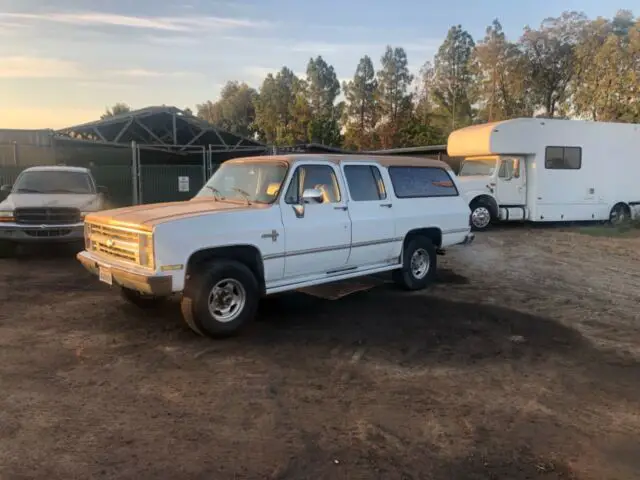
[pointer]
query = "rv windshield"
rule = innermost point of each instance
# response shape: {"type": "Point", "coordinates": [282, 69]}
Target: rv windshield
{"type": "Point", "coordinates": [258, 182]}
{"type": "Point", "coordinates": [477, 166]}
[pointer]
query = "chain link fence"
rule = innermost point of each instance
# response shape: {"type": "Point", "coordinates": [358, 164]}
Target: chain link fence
{"type": "Point", "coordinates": [131, 174]}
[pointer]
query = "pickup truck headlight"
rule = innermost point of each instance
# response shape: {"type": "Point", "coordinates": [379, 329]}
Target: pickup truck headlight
{"type": "Point", "coordinates": [6, 216]}
{"type": "Point", "coordinates": [146, 250]}
{"type": "Point", "coordinates": [87, 236]}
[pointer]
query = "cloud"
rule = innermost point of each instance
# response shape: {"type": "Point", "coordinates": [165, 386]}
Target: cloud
{"type": "Point", "coordinates": [175, 24]}
{"type": "Point", "coordinates": [46, 117]}
{"type": "Point", "coordinates": [35, 67]}
{"type": "Point", "coordinates": [38, 67]}
{"type": "Point", "coordinates": [144, 73]}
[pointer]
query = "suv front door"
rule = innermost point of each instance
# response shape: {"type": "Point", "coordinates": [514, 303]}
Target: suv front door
{"type": "Point", "coordinates": [317, 235]}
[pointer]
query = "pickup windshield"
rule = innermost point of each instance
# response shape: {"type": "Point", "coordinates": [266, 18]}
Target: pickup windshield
{"type": "Point", "coordinates": [477, 166]}
{"type": "Point", "coordinates": [52, 182]}
{"type": "Point", "coordinates": [258, 182]}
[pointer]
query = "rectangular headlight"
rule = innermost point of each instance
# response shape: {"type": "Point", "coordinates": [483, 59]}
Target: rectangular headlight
{"type": "Point", "coordinates": [6, 216]}
{"type": "Point", "coordinates": [145, 246]}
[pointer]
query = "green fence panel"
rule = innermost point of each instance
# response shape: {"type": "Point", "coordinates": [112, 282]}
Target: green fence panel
{"type": "Point", "coordinates": [167, 183]}
{"type": "Point", "coordinates": [119, 183]}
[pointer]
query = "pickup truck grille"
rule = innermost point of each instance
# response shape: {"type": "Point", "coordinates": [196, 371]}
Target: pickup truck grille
{"type": "Point", "coordinates": [47, 216]}
{"type": "Point", "coordinates": [120, 243]}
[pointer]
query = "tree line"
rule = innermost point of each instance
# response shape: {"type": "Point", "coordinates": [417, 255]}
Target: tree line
{"type": "Point", "coordinates": [569, 67]}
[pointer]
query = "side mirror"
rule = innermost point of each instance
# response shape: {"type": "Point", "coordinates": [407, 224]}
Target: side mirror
{"type": "Point", "coordinates": [312, 195]}
{"type": "Point", "coordinates": [6, 188]}
{"type": "Point", "coordinates": [103, 190]}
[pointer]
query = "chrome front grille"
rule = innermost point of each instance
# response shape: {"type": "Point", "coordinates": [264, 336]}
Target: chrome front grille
{"type": "Point", "coordinates": [47, 216]}
{"type": "Point", "coordinates": [121, 243]}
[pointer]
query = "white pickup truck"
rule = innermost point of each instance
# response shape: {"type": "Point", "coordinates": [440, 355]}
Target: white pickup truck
{"type": "Point", "coordinates": [48, 204]}
{"type": "Point", "coordinates": [265, 225]}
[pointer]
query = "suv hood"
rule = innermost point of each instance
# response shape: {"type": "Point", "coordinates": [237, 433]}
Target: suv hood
{"type": "Point", "coordinates": [88, 202]}
{"type": "Point", "coordinates": [147, 216]}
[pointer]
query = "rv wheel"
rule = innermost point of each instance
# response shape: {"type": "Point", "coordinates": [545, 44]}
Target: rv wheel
{"type": "Point", "coordinates": [620, 214]}
{"type": "Point", "coordinates": [480, 215]}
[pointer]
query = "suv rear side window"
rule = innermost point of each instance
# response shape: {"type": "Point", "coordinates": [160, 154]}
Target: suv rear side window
{"type": "Point", "coordinates": [416, 182]}
{"type": "Point", "coordinates": [365, 183]}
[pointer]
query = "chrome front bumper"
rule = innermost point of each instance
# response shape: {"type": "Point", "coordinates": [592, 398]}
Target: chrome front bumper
{"type": "Point", "coordinates": [21, 233]}
{"type": "Point", "coordinates": [132, 278]}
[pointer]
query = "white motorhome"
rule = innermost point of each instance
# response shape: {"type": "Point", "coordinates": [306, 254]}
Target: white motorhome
{"type": "Point", "coordinates": [546, 170]}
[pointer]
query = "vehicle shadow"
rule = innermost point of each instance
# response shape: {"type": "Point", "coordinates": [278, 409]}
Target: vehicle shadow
{"type": "Point", "coordinates": [412, 328]}
{"type": "Point", "coordinates": [35, 252]}
{"type": "Point", "coordinates": [406, 328]}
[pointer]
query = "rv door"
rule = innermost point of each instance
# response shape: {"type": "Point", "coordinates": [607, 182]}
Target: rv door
{"type": "Point", "coordinates": [511, 185]}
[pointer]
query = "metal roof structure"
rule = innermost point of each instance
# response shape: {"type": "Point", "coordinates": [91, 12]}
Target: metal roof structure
{"type": "Point", "coordinates": [163, 127]}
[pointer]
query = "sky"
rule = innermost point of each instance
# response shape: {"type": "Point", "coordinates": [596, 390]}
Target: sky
{"type": "Point", "coordinates": [64, 65]}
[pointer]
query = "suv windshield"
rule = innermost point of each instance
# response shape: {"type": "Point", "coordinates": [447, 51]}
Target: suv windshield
{"type": "Point", "coordinates": [50, 181]}
{"type": "Point", "coordinates": [252, 182]}
{"type": "Point", "coordinates": [478, 166]}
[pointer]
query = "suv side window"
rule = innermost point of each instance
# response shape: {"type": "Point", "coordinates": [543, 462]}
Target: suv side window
{"type": "Point", "coordinates": [320, 177]}
{"type": "Point", "coordinates": [422, 182]}
{"type": "Point", "coordinates": [364, 182]}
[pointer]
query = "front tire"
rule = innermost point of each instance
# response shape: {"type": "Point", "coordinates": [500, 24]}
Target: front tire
{"type": "Point", "coordinates": [220, 298]}
{"type": "Point", "coordinates": [141, 300]}
{"type": "Point", "coordinates": [419, 264]}
{"type": "Point", "coordinates": [481, 216]}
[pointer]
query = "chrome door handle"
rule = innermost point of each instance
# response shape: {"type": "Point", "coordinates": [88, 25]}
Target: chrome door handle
{"type": "Point", "coordinates": [340, 208]}
{"type": "Point", "coordinates": [388, 205]}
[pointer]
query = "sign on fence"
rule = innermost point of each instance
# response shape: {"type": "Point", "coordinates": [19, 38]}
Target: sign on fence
{"type": "Point", "coordinates": [183, 184]}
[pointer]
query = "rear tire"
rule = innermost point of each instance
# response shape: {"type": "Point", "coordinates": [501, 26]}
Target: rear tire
{"type": "Point", "coordinates": [620, 214]}
{"type": "Point", "coordinates": [141, 300]}
{"type": "Point", "coordinates": [220, 298]}
{"type": "Point", "coordinates": [481, 216]}
{"type": "Point", "coordinates": [419, 264]}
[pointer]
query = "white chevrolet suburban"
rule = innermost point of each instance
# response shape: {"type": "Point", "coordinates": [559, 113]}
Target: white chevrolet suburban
{"type": "Point", "coordinates": [264, 225]}
{"type": "Point", "coordinates": [48, 204]}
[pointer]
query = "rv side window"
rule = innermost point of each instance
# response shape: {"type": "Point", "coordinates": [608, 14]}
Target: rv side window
{"type": "Point", "coordinates": [563, 158]}
{"type": "Point", "coordinates": [416, 182]}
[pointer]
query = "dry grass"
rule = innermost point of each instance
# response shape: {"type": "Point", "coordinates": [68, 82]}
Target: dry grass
{"type": "Point", "coordinates": [521, 362]}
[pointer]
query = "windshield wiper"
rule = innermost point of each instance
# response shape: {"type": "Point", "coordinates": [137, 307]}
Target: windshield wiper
{"type": "Point", "coordinates": [247, 196]}
{"type": "Point", "coordinates": [216, 193]}
{"type": "Point", "coordinates": [27, 190]}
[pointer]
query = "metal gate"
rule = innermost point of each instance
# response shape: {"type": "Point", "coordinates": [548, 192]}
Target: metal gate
{"type": "Point", "coordinates": [168, 180]}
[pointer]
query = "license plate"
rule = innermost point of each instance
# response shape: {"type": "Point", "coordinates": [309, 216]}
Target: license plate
{"type": "Point", "coordinates": [105, 275]}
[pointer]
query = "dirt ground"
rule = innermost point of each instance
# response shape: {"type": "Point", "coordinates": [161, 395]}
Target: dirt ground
{"type": "Point", "coordinates": [523, 361]}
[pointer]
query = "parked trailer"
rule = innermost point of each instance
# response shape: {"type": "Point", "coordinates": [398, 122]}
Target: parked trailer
{"type": "Point", "coordinates": [545, 170]}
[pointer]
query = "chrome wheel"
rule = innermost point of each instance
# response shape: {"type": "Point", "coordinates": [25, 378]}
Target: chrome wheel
{"type": "Point", "coordinates": [480, 217]}
{"type": "Point", "coordinates": [420, 263]}
{"type": "Point", "coordinates": [226, 300]}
